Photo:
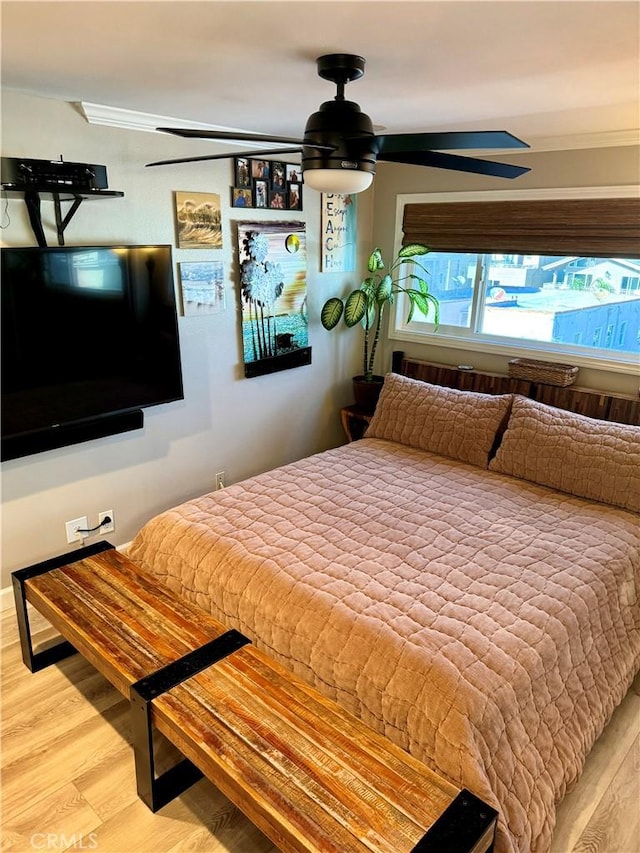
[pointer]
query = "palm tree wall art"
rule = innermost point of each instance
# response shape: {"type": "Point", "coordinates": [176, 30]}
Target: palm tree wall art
{"type": "Point", "coordinates": [273, 289]}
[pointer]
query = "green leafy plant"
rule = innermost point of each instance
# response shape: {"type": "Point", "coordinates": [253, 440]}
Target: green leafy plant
{"type": "Point", "coordinates": [366, 305]}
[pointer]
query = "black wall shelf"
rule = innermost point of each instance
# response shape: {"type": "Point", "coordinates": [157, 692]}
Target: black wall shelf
{"type": "Point", "coordinates": [34, 194]}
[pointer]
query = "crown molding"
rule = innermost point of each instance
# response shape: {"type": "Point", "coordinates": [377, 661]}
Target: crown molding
{"type": "Point", "coordinates": [133, 120]}
{"type": "Point", "coordinates": [572, 142]}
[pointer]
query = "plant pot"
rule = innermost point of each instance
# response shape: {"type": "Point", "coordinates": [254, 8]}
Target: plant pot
{"type": "Point", "coordinates": [366, 393]}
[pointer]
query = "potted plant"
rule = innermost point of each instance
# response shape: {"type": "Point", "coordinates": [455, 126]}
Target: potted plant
{"type": "Point", "coordinates": [366, 306]}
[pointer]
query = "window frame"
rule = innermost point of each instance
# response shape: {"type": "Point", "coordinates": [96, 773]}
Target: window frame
{"type": "Point", "coordinates": [468, 339]}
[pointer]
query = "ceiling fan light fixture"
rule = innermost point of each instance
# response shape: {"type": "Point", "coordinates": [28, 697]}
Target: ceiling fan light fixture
{"type": "Point", "coordinates": [339, 181]}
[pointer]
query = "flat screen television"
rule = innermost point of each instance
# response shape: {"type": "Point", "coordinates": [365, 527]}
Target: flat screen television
{"type": "Point", "coordinates": [89, 339]}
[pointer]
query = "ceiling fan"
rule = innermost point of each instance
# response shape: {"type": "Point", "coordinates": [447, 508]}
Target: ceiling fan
{"type": "Point", "coordinates": [340, 150]}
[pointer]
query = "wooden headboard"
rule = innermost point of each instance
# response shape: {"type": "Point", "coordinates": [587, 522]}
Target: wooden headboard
{"type": "Point", "coordinates": [585, 401]}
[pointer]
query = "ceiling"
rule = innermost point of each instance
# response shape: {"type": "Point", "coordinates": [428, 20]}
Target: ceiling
{"type": "Point", "coordinates": [538, 69]}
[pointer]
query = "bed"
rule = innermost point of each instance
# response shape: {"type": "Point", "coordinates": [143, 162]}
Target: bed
{"type": "Point", "coordinates": [464, 579]}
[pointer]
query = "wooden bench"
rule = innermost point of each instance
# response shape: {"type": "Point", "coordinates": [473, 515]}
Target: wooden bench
{"type": "Point", "coordinates": [311, 776]}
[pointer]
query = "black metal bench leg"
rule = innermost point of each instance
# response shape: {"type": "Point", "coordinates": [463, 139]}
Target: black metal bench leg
{"type": "Point", "coordinates": [53, 653]}
{"type": "Point", "coordinates": [35, 660]}
{"type": "Point", "coordinates": [156, 791]}
{"type": "Point", "coordinates": [466, 824]}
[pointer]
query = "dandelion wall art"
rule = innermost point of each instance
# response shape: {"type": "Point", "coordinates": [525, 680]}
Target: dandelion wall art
{"type": "Point", "coordinates": [273, 289]}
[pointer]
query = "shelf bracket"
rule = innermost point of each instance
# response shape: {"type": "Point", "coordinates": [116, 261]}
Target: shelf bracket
{"type": "Point", "coordinates": [61, 223]}
{"type": "Point", "coordinates": [32, 200]}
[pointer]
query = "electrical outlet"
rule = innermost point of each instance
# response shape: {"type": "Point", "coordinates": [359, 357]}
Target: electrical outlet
{"type": "Point", "coordinates": [220, 480]}
{"type": "Point", "coordinates": [106, 526]}
{"type": "Point", "coordinates": [72, 529]}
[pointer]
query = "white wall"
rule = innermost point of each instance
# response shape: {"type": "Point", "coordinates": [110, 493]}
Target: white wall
{"type": "Point", "coordinates": [607, 167]}
{"type": "Point", "coordinates": [226, 422]}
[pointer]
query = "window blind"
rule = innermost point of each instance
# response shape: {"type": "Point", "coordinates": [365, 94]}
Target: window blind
{"type": "Point", "coordinates": [581, 227]}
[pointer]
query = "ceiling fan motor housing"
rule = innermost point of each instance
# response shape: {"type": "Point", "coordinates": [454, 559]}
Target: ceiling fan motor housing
{"type": "Point", "coordinates": [341, 124]}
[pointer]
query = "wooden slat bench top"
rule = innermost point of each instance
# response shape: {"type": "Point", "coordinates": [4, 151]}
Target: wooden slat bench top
{"type": "Point", "coordinates": [120, 618]}
{"type": "Point", "coordinates": [310, 775]}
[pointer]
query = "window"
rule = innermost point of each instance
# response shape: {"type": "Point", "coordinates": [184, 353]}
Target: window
{"type": "Point", "coordinates": [622, 335]}
{"type": "Point", "coordinates": [530, 275]}
{"type": "Point", "coordinates": [630, 283]}
{"type": "Point", "coordinates": [609, 336]}
{"type": "Point", "coordinates": [534, 298]}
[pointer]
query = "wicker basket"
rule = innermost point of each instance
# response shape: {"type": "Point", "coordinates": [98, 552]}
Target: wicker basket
{"type": "Point", "coordinates": [547, 372]}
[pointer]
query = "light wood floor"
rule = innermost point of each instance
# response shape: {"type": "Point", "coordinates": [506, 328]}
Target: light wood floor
{"type": "Point", "coordinates": [67, 775]}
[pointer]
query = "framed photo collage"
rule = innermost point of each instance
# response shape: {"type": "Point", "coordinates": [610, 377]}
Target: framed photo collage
{"type": "Point", "coordinates": [266, 184]}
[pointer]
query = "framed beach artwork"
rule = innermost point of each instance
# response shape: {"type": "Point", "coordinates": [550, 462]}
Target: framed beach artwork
{"type": "Point", "coordinates": [202, 284]}
{"type": "Point", "coordinates": [198, 220]}
{"type": "Point", "coordinates": [273, 295]}
{"type": "Point", "coordinates": [338, 223]}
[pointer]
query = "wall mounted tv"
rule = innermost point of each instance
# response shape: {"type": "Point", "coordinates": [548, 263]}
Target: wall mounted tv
{"type": "Point", "coordinates": [89, 339]}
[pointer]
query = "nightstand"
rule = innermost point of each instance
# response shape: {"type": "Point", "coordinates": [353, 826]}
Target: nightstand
{"type": "Point", "coordinates": [354, 421]}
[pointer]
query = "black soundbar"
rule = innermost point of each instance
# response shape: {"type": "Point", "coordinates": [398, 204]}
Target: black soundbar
{"type": "Point", "coordinates": [16, 446]}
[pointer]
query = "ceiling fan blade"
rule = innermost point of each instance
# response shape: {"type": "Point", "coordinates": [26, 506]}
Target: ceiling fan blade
{"type": "Point", "coordinates": [250, 154]}
{"type": "Point", "coordinates": [394, 143]}
{"type": "Point", "coordinates": [239, 135]}
{"type": "Point", "coordinates": [439, 160]}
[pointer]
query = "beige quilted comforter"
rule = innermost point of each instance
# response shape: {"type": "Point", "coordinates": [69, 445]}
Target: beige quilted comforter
{"type": "Point", "coordinates": [487, 625]}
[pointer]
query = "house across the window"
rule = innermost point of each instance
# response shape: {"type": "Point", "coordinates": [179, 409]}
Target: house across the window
{"type": "Point", "coordinates": [586, 302]}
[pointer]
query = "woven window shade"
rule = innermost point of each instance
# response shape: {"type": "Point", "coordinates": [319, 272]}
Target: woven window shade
{"type": "Point", "coordinates": [581, 227]}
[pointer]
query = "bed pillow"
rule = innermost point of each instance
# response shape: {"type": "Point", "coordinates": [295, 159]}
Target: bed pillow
{"type": "Point", "coordinates": [459, 424]}
{"type": "Point", "coordinates": [589, 458]}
